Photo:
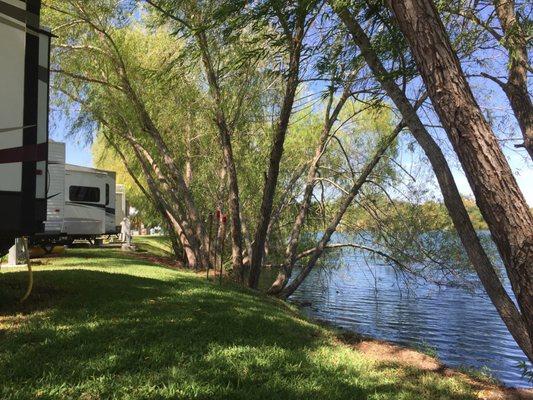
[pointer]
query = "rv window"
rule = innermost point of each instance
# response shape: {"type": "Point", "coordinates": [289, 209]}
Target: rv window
{"type": "Point", "coordinates": [84, 193]}
{"type": "Point", "coordinates": [106, 194]}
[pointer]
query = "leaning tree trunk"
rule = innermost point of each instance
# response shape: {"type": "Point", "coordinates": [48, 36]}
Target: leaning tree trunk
{"type": "Point", "coordinates": [179, 235]}
{"type": "Point", "coordinates": [516, 88]}
{"type": "Point", "coordinates": [168, 163]}
{"type": "Point", "coordinates": [234, 201]}
{"type": "Point", "coordinates": [452, 198]}
{"type": "Point", "coordinates": [186, 234]}
{"type": "Point", "coordinates": [187, 173]}
{"type": "Point", "coordinates": [176, 233]}
{"type": "Point", "coordinates": [269, 190]}
{"type": "Point", "coordinates": [227, 151]}
{"type": "Point", "coordinates": [498, 196]}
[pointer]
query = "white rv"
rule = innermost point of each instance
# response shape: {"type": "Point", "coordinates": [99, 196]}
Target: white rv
{"type": "Point", "coordinates": [24, 81]}
{"type": "Point", "coordinates": [83, 203]}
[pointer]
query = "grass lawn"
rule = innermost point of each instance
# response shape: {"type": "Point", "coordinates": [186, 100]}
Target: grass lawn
{"type": "Point", "coordinates": [102, 325]}
{"type": "Point", "coordinates": [158, 245]}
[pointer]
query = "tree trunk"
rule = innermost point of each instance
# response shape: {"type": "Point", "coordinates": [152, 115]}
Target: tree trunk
{"type": "Point", "coordinates": [452, 198]}
{"type": "Point", "coordinates": [284, 199]}
{"type": "Point", "coordinates": [227, 150]}
{"type": "Point", "coordinates": [190, 254]}
{"type": "Point", "coordinates": [192, 251]}
{"type": "Point", "coordinates": [516, 87]}
{"type": "Point", "coordinates": [172, 223]}
{"type": "Point", "coordinates": [497, 194]}
{"type": "Point", "coordinates": [188, 234]}
{"type": "Point", "coordinates": [269, 190]}
{"type": "Point", "coordinates": [188, 157]}
{"type": "Point", "coordinates": [234, 205]}
{"type": "Point", "coordinates": [172, 172]}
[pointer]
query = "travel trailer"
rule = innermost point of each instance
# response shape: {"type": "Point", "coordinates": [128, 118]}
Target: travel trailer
{"type": "Point", "coordinates": [24, 81]}
{"type": "Point", "coordinates": [83, 203]}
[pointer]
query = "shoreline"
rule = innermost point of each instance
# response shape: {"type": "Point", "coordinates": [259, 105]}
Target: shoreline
{"type": "Point", "coordinates": [383, 351]}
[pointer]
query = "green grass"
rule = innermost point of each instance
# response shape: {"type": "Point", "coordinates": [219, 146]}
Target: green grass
{"type": "Point", "coordinates": [483, 374]}
{"type": "Point", "coordinates": [158, 245]}
{"type": "Point", "coordinates": [427, 349]}
{"type": "Point", "coordinates": [101, 325]}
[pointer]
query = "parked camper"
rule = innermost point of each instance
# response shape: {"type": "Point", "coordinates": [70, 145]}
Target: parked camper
{"type": "Point", "coordinates": [89, 202]}
{"type": "Point", "coordinates": [83, 203]}
{"type": "Point", "coordinates": [24, 77]}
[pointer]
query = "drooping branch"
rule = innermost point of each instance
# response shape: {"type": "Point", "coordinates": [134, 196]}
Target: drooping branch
{"type": "Point", "coordinates": [309, 252]}
{"type": "Point", "coordinates": [87, 79]}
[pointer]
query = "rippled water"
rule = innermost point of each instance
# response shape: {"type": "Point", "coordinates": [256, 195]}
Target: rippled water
{"type": "Point", "coordinates": [463, 328]}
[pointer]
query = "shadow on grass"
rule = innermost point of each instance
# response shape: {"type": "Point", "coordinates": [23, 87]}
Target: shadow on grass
{"type": "Point", "coordinates": [114, 335]}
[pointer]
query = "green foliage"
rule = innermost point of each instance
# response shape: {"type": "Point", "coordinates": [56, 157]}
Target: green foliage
{"type": "Point", "coordinates": [106, 50]}
{"type": "Point", "coordinates": [167, 74]}
{"type": "Point", "coordinates": [527, 372]}
{"type": "Point", "coordinates": [427, 216]}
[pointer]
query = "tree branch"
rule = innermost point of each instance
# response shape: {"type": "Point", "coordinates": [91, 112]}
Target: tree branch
{"type": "Point", "coordinates": [309, 252]}
{"type": "Point", "coordinates": [87, 79]}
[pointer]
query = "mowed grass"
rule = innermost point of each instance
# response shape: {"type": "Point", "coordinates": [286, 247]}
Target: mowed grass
{"type": "Point", "coordinates": [157, 245]}
{"type": "Point", "coordinates": [103, 325]}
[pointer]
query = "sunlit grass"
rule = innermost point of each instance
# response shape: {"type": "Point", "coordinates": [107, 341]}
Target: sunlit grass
{"type": "Point", "coordinates": [102, 325]}
{"type": "Point", "coordinates": [158, 245]}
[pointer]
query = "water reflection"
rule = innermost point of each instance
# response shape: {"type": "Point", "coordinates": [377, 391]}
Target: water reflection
{"type": "Point", "coordinates": [463, 327]}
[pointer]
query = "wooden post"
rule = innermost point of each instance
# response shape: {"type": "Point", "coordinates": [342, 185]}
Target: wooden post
{"type": "Point", "coordinates": [210, 223]}
{"type": "Point", "coordinates": [223, 220]}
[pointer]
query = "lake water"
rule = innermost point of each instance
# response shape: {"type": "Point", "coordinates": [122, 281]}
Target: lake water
{"type": "Point", "coordinates": [463, 328]}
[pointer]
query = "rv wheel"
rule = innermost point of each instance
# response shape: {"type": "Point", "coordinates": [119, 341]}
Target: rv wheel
{"type": "Point", "coordinates": [5, 245]}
